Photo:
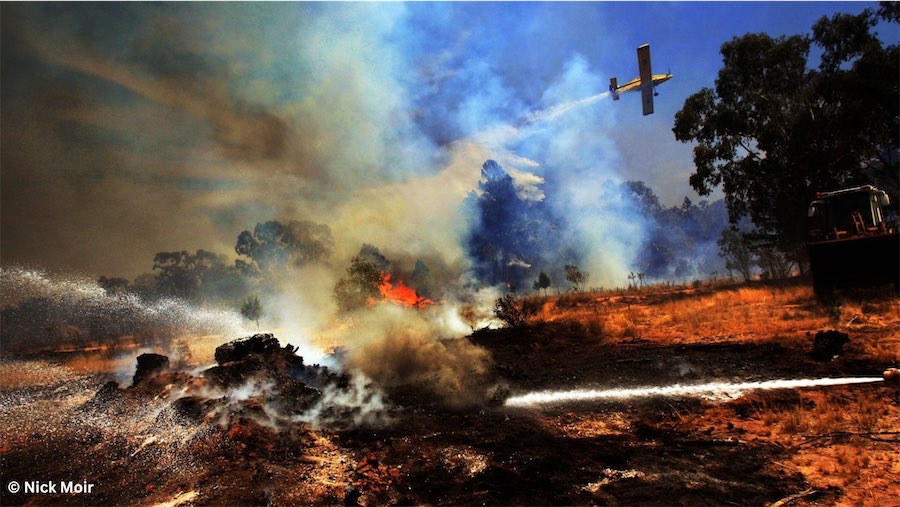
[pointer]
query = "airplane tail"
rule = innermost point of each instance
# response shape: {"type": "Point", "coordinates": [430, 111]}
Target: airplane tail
{"type": "Point", "coordinates": [613, 87]}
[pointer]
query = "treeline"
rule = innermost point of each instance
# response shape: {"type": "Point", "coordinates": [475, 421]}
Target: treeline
{"type": "Point", "coordinates": [207, 277]}
{"type": "Point", "coordinates": [520, 243]}
{"type": "Point", "coordinates": [681, 241]}
{"type": "Point", "coordinates": [774, 130]}
{"type": "Point", "coordinates": [185, 293]}
{"type": "Point", "coordinates": [200, 292]}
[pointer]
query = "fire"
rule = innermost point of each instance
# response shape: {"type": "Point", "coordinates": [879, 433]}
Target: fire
{"type": "Point", "coordinates": [401, 294]}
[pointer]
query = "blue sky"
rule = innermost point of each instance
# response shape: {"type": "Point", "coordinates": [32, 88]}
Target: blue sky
{"type": "Point", "coordinates": [190, 122]}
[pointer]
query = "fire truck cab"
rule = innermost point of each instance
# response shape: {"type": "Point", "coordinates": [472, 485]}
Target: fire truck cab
{"type": "Point", "coordinates": [849, 212]}
{"type": "Point", "coordinates": [853, 239]}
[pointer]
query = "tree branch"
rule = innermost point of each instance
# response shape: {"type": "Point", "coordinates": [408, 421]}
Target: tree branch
{"type": "Point", "coordinates": [749, 151]}
{"type": "Point", "coordinates": [788, 499]}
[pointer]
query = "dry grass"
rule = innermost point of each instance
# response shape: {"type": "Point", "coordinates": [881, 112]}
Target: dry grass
{"type": "Point", "coordinates": [839, 437]}
{"type": "Point", "coordinates": [834, 437]}
{"type": "Point", "coordinates": [831, 412]}
{"type": "Point", "coordinates": [16, 374]}
{"type": "Point", "coordinates": [744, 314]}
{"type": "Point", "coordinates": [735, 314]}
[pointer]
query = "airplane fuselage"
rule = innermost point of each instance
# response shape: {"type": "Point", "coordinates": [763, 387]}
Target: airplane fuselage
{"type": "Point", "coordinates": [636, 85]}
{"type": "Point", "coordinates": [645, 83]}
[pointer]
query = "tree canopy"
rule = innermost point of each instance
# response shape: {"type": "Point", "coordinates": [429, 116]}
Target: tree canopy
{"type": "Point", "coordinates": [251, 309]}
{"type": "Point", "coordinates": [274, 244]}
{"type": "Point", "coordinates": [773, 132]}
{"type": "Point", "coordinates": [363, 276]}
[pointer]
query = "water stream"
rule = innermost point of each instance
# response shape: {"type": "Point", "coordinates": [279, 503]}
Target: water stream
{"type": "Point", "coordinates": [711, 390]}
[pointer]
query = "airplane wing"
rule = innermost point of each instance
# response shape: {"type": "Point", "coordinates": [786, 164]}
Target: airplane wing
{"type": "Point", "coordinates": [643, 55]}
{"type": "Point", "coordinates": [647, 100]}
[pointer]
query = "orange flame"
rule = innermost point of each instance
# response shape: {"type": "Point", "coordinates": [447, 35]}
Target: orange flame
{"type": "Point", "coordinates": [401, 294]}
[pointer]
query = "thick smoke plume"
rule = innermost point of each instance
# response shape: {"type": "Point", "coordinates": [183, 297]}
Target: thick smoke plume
{"type": "Point", "coordinates": [318, 124]}
{"type": "Point", "coordinates": [399, 347]}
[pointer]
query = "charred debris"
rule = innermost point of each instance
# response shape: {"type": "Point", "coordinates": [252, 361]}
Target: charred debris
{"type": "Point", "coordinates": [254, 377]}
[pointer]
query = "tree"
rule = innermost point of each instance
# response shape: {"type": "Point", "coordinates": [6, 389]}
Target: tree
{"type": "Point", "coordinates": [113, 285]}
{"type": "Point", "coordinates": [274, 244]}
{"type": "Point", "coordinates": [252, 309]}
{"type": "Point", "coordinates": [201, 276]}
{"type": "Point", "coordinates": [511, 232]}
{"type": "Point", "coordinates": [736, 252]}
{"type": "Point", "coordinates": [182, 274]}
{"type": "Point", "coordinates": [774, 264]}
{"type": "Point", "coordinates": [360, 285]}
{"type": "Point", "coordinates": [542, 282]}
{"type": "Point", "coordinates": [646, 199]}
{"type": "Point", "coordinates": [773, 132]}
{"type": "Point", "coordinates": [679, 241]}
{"type": "Point", "coordinates": [576, 277]}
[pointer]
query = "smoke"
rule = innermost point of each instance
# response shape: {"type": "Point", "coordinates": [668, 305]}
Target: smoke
{"type": "Point", "coordinates": [400, 347]}
{"type": "Point", "coordinates": [176, 127]}
{"type": "Point", "coordinates": [325, 115]}
{"type": "Point", "coordinates": [359, 404]}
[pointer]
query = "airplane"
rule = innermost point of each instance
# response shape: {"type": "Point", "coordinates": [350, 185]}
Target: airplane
{"type": "Point", "coordinates": [646, 82]}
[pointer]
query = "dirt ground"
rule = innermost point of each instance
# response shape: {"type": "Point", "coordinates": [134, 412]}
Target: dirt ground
{"type": "Point", "coordinates": [812, 446]}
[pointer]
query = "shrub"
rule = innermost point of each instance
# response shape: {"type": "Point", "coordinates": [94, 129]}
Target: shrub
{"type": "Point", "coordinates": [512, 312]}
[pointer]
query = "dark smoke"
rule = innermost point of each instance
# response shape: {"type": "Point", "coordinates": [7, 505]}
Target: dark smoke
{"type": "Point", "coordinates": [512, 238]}
{"type": "Point", "coordinates": [681, 240]}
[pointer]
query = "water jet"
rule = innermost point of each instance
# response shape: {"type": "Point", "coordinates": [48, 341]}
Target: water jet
{"type": "Point", "coordinates": [710, 390]}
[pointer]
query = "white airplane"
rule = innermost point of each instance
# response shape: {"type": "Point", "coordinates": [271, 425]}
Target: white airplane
{"type": "Point", "coordinates": [646, 82]}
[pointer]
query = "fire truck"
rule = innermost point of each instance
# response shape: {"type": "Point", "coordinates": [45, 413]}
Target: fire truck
{"type": "Point", "coordinates": [853, 240]}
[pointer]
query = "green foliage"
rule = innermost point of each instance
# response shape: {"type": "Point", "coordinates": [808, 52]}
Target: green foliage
{"type": "Point", "coordinates": [775, 265]}
{"type": "Point", "coordinates": [251, 309]}
{"type": "Point", "coordinates": [512, 311]}
{"type": "Point", "coordinates": [735, 250]}
{"type": "Point", "coordinates": [542, 282]}
{"type": "Point", "coordinates": [576, 277]}
{"type": "Point", "coordinates": [275, 244]}
{"type": "Point", "coordinates": [677, 238]}
{"type": "Point", "coordinates": [360, 285]}
{"type": "Point", "coordinates": [199, 276]}
{"type": "Point", "coordinates": [773, 132]}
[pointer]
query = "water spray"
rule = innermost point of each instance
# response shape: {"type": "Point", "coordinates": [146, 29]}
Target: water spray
{"type": "Point", "coordinates": [712, 390]}
{"type": "Point", "coordinates": [72, 294]}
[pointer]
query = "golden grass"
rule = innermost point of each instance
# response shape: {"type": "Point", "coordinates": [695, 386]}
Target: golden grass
{"type": "Point", "coordinates": [742, 314]}
{"type": "Point", "coordinates": [830, 436]}
{"type": "Point", "coordinates": [16, 374]}
{"type": "Point", "coordinates": [93, 363]}
{"type": "Point", "coordinates": [833, 437]}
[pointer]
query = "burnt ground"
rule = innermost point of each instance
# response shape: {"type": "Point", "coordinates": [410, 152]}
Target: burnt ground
{"type": "Point", "coordinates": [653, 451]}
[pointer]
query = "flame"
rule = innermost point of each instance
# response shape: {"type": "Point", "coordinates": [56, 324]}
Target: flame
{"type": "Point", "coordinates": [401, 294]}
